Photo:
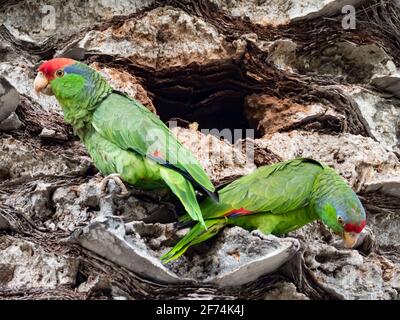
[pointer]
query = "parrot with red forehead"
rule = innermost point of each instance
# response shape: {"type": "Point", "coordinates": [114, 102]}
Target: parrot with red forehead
{"type": "Point", "coordinates": [280, 198]}
{"type": "Point", "coordinates": [125, 140]}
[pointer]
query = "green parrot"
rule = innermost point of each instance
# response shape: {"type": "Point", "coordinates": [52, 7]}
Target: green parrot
{"type": "Point", "coordinates": [280, 198]}
{"type": "Point", "coordinates": [125, 140]}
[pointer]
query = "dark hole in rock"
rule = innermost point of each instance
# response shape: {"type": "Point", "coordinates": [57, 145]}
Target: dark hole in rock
{"type": "Point", "coordinates": [80, 278]}
{"type": "Point", "coordinates": [213, 96]}
{"type": "Point", "coordinates": [226, 112]}
{"type": "Point", "coordinates": [322, 258]}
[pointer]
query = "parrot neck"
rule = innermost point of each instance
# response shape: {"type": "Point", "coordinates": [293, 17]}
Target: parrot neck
{"type": "Point", "coordinates": [79, 94]}
{"type": "Point", "coordinates": [330, 191]}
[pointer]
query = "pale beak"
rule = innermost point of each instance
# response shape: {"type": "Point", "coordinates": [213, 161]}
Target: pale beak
{"type": "Point", "coordinates": [42, 85]}
{"type": "Point", "coordinates": [350, 239]}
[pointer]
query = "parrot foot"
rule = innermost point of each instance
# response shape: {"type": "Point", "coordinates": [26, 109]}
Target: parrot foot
{"type": "Point", "coordinates": [116, 178]}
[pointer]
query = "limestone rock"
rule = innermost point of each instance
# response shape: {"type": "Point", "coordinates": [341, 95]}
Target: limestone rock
{"type": "Point", "coordinates": [164, 37]}
{"type": "Point", "coordinates": [220, 159]}
{"type": "Point", "coordinates": [278, 12]}
{"type": "Point", "coordinates": [285, 291]}
{"type": "Point", "coordinates": [37, 21]}
{"type": "Point", "coordinates": [9, 100]}
{"type": "Point", "coordinates": [238, 258]}
{"type": "Point", "coordinates": [269, 114]}
{"type": "Point", "coordinates": [11, 123]}
{"type": "Point", "coordinates": [389, 83]}
{"type": "Point", "coordinates": [24, 264]}
{"type": "Point", "coordinates": [381, 114]}
{"type": "Point", "coordinates": [23, 160]}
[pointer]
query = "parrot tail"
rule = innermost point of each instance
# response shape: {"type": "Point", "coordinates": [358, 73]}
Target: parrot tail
{"type": "Point", "coordinates": [183, 189]}
{"type": "Point", "coordinates": [195, 236]}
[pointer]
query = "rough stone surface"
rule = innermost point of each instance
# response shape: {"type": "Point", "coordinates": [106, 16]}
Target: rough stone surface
{"type": "Point", "coordinates": [239, 257]}
{"type": "Point", "coordinates": [21, 76]}
{"type": "Point", "coordinates": [220, 159]}
{"type": "Point", "coordinates": [269, 114]}
{"type": "Point", "coordinates": [354, 63]}
{"type": "Point", "coordinates": [381, 115]}
{"type": "Point", "coordinates": [24, 264]}
{"type": "Point", "coordinates": [349, 62]}
{"type": "Point", "coordinates": [9, 100]}
{"type": "Point", "coordinates": [348, 274]}
{"type": "Point", "coordinates": [11, 123]}
{"type": "Point", "coordinates": [37, 21]}
{"type": "Point", "coordinates": [281, 53]}
{"type": "Point", "coordinates": [106, 237]}
{"type": "Point", "coordinates": [163, 37]}
{"type": "Point", "coordinates": [389, 83]}
{"type": "Point", "coordinates": [278, 12]}
{"type": "Point", "coordinates": [19, 160]}
{"type": "Point", "coordinates": [285, 291]}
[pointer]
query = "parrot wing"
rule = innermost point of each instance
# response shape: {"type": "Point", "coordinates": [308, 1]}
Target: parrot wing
{"type": "Point", "coordinates": [132, 126]}
{"type": "Point", "coordinates": [277, 189]}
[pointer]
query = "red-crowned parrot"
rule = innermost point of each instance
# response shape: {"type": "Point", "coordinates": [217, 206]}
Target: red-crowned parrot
{"type": "Point", "coordinates": [280, 198]}
{"type": "Point", "coordinates": [123, 138]}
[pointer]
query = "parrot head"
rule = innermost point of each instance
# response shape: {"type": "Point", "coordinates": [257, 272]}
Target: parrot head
{"type": "Point", "coordinates": [344, 214]}
{"type": "Point", "coordinates": [69, 81]}
{"type": "Point", "coordinates": [49, 72]}
{"type": "Point", "coordinates": [77, 88]}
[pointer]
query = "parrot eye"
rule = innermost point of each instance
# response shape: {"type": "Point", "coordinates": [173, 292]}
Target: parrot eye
{"type": "Point", "coordinates": [340, 220]}
{"type": "Point", "coordinates": [59, 73]}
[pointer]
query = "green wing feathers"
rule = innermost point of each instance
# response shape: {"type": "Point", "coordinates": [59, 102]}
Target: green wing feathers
{"type": "Point", "coordinates": [130, 125]}
{"type": "Point", "coordinates": [277, 189]}
{"type": "Point", "coordinates": [265, 197]}
{"type": "Point", "coordinates": [183, 189]}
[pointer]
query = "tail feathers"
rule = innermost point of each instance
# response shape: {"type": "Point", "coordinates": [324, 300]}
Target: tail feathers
{"type": "Point", "coordinates": [183, 189]}
{"type": "Point", "coordinates": [212, 193]}
{"type": "Point", "coordinates": [195, 236]}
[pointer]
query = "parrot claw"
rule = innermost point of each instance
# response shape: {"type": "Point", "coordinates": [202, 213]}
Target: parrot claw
{"type": "Point", "coordinates": [116, 178]}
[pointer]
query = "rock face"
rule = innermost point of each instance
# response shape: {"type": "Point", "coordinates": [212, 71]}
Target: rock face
{"type": "Point", "coordinates": [53, 19]}
{"type": "Point", "coordinates": [238, 258]}
{"type": "Point", "coordinates": [26, 265]}
{"type": "Point", "coordinates": [269, 114]}
{"type": "Point", "coordinates": [381, 115]}
{"type": "Point", "coordinates": [280, 12]}
{"type": "Point", "coordinates": [210, 68]}
{"type": "Point", "coordinates": [355, 63]}
{"type": "Point", "coordinates": [389, 83]}
{"type": "Point", "coordinates": [9, 100]}
{"type": "Point", "coordinates": [219, 158]}
{"type": "Point", "coordinates": [18, 160]}
{"type": "Point", "coordinates": [346, 274]}
{"type": "Point", "coordinates": [163, 38]}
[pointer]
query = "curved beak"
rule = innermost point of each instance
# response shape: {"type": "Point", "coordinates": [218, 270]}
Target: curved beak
{"type": "Point", "coordinates": [42, 85]}
{"type": "Point", "coordinates": [350, 239]}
